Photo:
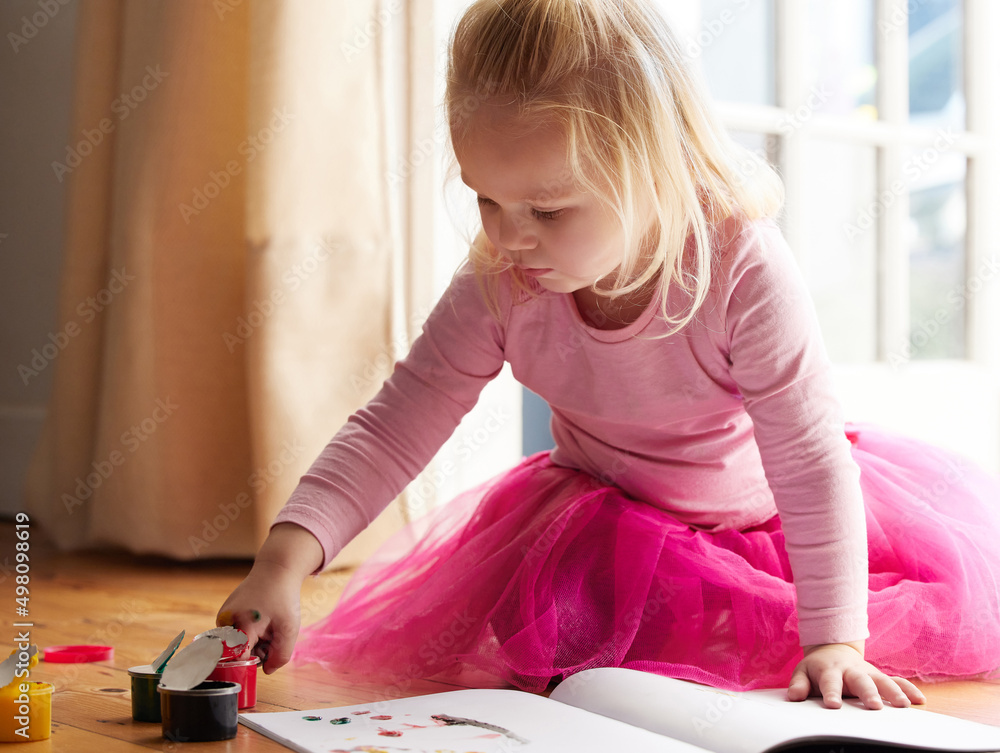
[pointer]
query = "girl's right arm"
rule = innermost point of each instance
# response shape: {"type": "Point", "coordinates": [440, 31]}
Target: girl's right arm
{"type": "Point", "coordinates": [266, 604]}
{"type": "Point", "coordinates": [382, 447]}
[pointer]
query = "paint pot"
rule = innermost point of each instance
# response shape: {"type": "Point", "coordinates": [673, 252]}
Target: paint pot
{"type": "Point", "coordinates": [145, 701]}
{"type": "Point", "coordinates": [205, 712]}
{"type": "Point", "coordinates": [243, 671]}
{"type": "Point", "coordinates": [26, 712]}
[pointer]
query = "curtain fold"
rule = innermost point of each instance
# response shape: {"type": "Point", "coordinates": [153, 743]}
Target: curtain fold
{"type": "Point", "coordinates": [228, 270]}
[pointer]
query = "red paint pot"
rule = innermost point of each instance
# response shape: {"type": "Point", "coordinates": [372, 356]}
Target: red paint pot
{"type": "Point", "coordinates": [243, 671]}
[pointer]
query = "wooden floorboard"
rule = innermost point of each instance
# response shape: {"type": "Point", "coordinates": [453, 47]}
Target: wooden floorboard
{"type": "Point", "coordinates": [137, 604]}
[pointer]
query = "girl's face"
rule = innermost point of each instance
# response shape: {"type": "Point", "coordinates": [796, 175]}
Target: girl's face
{"type": "Point", "coordinates": [533, 211]}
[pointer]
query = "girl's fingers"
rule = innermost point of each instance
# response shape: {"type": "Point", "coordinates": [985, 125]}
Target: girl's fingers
{"type": "Point", "coordinates": [910, 691]}
{"type": "Point", "coordinates": [282, 642]}
{"type": "Point", "coordinates": [831, 687]}
{"type": "Point", "coordinates": [799, 687]}
{"type": "Point", "coordinates": [250, 621]}
{"type": "Point", "coordinates": [865, 687]}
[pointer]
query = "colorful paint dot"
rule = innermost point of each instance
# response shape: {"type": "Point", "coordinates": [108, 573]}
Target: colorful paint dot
{"type": "Point", "coordinates": [341, 720]}
{"type": "Point", "coordinates": [382, 718]}
{"type": "Point", "coordinates": [255, 614]}
{"type": "Point", "coordinates": [389, 732]}
{"type": "Point", "coordinates": [359, 713]}
{"type": "Point", "coordinates": [313, 718]}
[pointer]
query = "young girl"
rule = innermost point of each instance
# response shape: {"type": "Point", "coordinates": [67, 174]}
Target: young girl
{"type": "Point", "coordinates": [704, 513]}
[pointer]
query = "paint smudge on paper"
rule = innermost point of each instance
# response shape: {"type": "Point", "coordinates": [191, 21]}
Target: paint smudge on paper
{"type": "Point", "coordinates": [313, 718]}
{"type": "Point", "coordinates": [341, 720]}
{"type": "Point", "coordinates": [449, 721]}
{"type": "Point", "coordinates": [359, 713]}
{"type": "Point", "coordinates": [389, 732]}
{"type": "Point", "coordinates": [382, 717]}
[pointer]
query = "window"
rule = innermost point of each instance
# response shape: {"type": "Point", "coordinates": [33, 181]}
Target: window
{"type": "Point", "coordinates": [882, 118]}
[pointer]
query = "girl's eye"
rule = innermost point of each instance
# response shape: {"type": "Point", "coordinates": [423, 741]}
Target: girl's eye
{"type": "Point", "coordinates": [547, 215]}
{"type": "Point", "coordinates": [537, 213]}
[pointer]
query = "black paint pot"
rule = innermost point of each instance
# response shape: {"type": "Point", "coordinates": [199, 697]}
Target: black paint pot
{"type": "Point", "coordinates": [205, 712]}
{"type": "Point", "coordinates": [145, 701]}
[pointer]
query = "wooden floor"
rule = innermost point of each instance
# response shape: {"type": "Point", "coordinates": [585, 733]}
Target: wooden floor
{"type": "Point", "coordinates": [138, 604]}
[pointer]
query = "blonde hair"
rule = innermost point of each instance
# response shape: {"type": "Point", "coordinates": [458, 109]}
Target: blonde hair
{"type": "Point", "coordinates": [637, 125]}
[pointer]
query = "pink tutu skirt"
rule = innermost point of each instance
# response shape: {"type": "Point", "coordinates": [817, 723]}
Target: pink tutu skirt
{"type": "Point", "coordinates": [545, 571]}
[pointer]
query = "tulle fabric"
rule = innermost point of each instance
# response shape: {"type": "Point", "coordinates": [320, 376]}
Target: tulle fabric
{"type": "Point", "coordinates": [545, 571]}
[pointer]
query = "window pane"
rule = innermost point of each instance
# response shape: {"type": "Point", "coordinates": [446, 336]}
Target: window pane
{"type": "Point", "coordinates": [840, 64]}
{"type": "Point", "coordinates": [939, 284]}
{"type": "Point", "coordinates": [840, 262]}
{"type": "Point", "coordinates": [735, 45]}
{"type": "Point", "coordinates": [937, 97]}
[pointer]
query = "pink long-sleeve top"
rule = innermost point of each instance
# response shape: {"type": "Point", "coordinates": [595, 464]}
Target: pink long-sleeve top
{"type": "Point", "coordinates": [722, 424]}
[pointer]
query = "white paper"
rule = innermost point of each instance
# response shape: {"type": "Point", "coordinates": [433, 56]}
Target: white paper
{"type": "Point", "coordinates": [757, 720]}
{"type": "Point", "coordinates": [505, 721]}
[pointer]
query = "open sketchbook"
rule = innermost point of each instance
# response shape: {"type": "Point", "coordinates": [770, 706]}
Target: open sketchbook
{"type": "Point", "coordinates": [617, 710]}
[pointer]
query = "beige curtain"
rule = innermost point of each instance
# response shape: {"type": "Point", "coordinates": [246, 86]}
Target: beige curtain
{"type": "Point", "coordinates": [228, 268]}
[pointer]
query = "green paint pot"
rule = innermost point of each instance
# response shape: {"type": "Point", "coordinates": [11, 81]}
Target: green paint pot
{"type": "Point", "coordinates": [145, 700]}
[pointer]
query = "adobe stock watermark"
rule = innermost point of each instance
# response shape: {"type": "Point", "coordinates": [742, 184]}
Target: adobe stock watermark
{"type": "Point", "coordinates": [422, 491]}
{"type": "Point", "coordinates": [956, 300]}
{"type": "Point", "coordinates": [292, 278]}
{"type": "Point", "coordinates": [122, 106]}
{"type": "Point", "coordinates": [30, 25]}
{"type": "Point", "coordinates": [248, 149]}
{"type": "Point", "coordinates": [377, 368]}
{"type": "Point", "coordinates": [712, 29]}
{"type": "Point", "coordinates": [223, 8]}
{"type": "Point", "coordinates": [258, 481]}
{"type": "Point", "coordinates": [915, 167]}
{"type": "Point", "coordinates": [366, 32]}
{"type": "Point", "coordinates": [435, 650]}
{"type": "Point", "coordinates": [425, 148]}
{"type": "Point", "coordinates": [131, 611]}
{"type": "Point", "coordinates": [793, 121]}
{"type": "Point", "coordinates": [899, 18]}
{"type": "Point", "coordinates": [87, 312]}
{"type": "Point", "coordinates": [130, 440]}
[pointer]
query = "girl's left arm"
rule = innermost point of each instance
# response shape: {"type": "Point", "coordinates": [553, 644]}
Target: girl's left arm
{"type": "Point", "coordinates": [780, 366]}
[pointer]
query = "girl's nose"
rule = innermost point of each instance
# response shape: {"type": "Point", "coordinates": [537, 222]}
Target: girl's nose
{"type": "Point", "coordinates": [514, 233]}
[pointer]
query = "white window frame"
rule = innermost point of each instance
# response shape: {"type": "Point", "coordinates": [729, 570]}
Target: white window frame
{"type": "Point", "coordinates": [955, 403]}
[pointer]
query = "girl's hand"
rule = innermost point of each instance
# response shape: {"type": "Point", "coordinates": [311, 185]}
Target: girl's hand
{"type": "Point", "coordinates": [834, 669]}
{"type": "Point", "coordinates": [266, 607]}
{"type": "Point", "coordinates": [266, 604]}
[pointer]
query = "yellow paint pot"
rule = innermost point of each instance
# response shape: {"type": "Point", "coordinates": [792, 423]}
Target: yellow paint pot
{"type": "Point", "coordinates": [25, 712]}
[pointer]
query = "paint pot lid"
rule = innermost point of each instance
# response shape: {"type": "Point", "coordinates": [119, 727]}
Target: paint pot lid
{"type": "Point", "coordinates": [9, 666]}
{"type": "Point", "coordinates": [161, 661]}
{"type": "Point", "coordinates": [143, 670]}
{"type": "Point", "coordinates": [234, 641]}
{"type": "Point", "coordinates": [193, 664]}
{"type": "Point", "coordinates": [77, 654]}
